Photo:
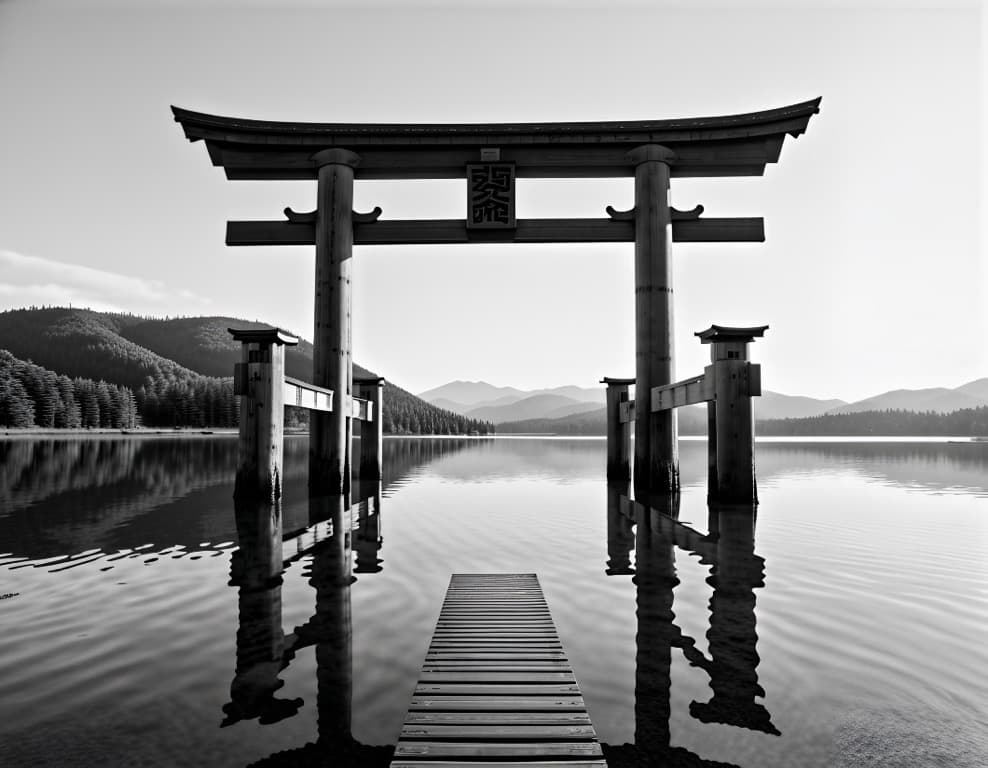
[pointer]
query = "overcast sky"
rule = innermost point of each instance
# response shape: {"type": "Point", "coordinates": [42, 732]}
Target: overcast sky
{"type": "Point", "coordinates": [871, 277]}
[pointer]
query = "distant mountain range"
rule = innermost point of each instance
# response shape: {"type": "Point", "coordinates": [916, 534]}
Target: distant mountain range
{"type": "Point", "coordinates": [939, 399]}
{"type": "Point", "coordinates": [575, 410]}
{"type": "Point", "coordinates": [480, 400]}
{"type": "Point", "coordinates": [501, 405]}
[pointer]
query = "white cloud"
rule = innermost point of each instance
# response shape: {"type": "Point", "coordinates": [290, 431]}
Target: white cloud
{"type": "Point", "coordinates": [33, 280]}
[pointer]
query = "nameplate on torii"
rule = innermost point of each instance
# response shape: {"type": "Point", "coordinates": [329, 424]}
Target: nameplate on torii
{"type": "Point", "coordinates": [491, 196]}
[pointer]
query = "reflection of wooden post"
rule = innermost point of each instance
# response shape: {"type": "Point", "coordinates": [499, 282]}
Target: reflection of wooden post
{"type": "Point", "coordinates": [732, 638]}
{"type": "Point", "coordinates": [620, 531]}
{"type": "Point", "coordinates": [367, 540]}
{"type": "Point", "coordinates": [656, 451]}
{"type": "Point", "coordinates": [371, 432]}
{"type": "Point", "coordinates": [332, 364]}
{"type": "Point", "coordinates": [256, 568]}
{"type": "Point", "coordinates": [331, 623]}
{"type": "Point", "coordinates": [618, 429]}
{"type": "Point", "coordinates": [655, 578]}
{"type": "Point", "coordinates": [735, 381]}
{"type": "Point", "coordinates": [259, 380]}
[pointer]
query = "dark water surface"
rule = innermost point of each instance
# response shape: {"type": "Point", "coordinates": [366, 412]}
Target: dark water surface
{"type": "Point", "coordinates": [849, 629]}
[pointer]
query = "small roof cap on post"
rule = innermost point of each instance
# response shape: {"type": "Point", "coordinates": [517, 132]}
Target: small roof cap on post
{"type": "Point", "coordinates": [608, 380]}
{"type": "Point", "coordinates": [368, 379]}
{"type": "Point", "coordinates": [725, 333]}
{"type": "Point", "coordinates": [263, 336]}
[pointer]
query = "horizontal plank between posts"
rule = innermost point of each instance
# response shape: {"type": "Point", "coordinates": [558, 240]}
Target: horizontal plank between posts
{"type": "Point", "coordinates": [699, 389]}
{"type": "Point", "coordinates": [452, 231]}
{"type": "Point", "coordinates": [302, 395]}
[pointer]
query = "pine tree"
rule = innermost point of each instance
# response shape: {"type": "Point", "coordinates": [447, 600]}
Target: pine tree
{"type": "Point", "coordinates": [16, 407]}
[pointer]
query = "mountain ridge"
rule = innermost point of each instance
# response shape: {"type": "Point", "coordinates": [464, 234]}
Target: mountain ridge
{"type": "Point", "coordinates": [770, 405]}
{"type": "Point", "coordinates": [124, 350]}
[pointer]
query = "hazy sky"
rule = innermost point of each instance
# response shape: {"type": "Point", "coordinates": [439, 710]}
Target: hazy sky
{"type": "Point", "coordinates": [872, 275]}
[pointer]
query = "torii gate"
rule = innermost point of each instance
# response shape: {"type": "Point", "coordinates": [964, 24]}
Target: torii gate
{"type": "Point", "coordinates": [491, 157]}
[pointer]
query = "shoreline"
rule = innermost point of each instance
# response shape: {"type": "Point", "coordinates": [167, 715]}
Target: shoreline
{"type": "Point", "coordinates": [36, 432]}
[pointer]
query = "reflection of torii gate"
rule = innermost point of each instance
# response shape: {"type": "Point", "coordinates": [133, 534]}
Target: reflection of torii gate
{"type": "Point", "coordinates": [491, 157]}
{"type": "Point", "coordinates": [264, 650]}
{"type": "Point", "coordinates": [736, 571]}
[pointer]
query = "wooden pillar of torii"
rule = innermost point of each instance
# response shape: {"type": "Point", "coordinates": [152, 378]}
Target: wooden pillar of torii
{"type": "Point", "coordinates": [490, 157]}
{"type": "Point", "coordinates": [331, 434]}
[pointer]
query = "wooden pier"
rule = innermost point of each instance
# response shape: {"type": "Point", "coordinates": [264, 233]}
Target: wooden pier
{"type": "Point", "coordinates": [496, 688]}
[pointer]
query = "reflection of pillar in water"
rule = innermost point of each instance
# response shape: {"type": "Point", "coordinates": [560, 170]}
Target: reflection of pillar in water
{"type": "Point", "coordinates": [367, 538]}
{"type": "Point", "coordinates": [256, 569]}
{"type": "Point", "coordinates": [330, 626]}
{"type": "Point", "coordinates": [732, 638]}
{"type": "Point", "coordinates": [620, 533]}
{"type": "Point", "coordinates": [655, 579]}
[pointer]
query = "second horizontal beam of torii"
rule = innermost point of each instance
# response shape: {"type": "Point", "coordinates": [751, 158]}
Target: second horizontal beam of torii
{"type": "Point", "coordinates": [440, 231]}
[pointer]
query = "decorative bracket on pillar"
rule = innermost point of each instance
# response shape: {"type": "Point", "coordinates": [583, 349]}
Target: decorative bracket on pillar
{"type": "Point", "coordinates": [300, 218]}
{"type": "Point", "coordinates": [621, 215]}
{"type": "Point", "coordinates": [691, 215]}
{"type": "Point", "coordinates": [690, 227]}
{"type": "Point", "coordinates": [310, 217]}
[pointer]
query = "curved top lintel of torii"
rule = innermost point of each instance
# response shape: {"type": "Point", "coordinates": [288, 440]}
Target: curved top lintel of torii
{"type": "Point", "coordinates": [729, 145]}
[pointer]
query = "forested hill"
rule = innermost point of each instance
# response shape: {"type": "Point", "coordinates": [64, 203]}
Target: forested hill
{"type": "Point", "coordinates": [32, 396]}
{"type": "Point", "coordinates": [204, 344]}
{"type": "Point", "coordinates": [180, 370]}
{"type": "Point", "coordinates": [78, 342]}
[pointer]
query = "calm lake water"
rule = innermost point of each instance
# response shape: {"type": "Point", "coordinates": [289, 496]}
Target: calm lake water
{"type": "Point", "coordinates": [847, 626]}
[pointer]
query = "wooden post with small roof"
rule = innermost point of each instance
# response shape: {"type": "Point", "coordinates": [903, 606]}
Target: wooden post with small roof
{"type": "Point", "coordinates": [620, 415]}
{"type": "Point", "coordinates": [734, 381]}
{"type": "Point", "coordinates": [259, 380]}
{"type": "Point", "coordinates": [371, 464]}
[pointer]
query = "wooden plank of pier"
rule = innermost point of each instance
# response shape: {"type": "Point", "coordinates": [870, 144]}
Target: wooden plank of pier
{"type": "Point", "coordinates": [496, 688]}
